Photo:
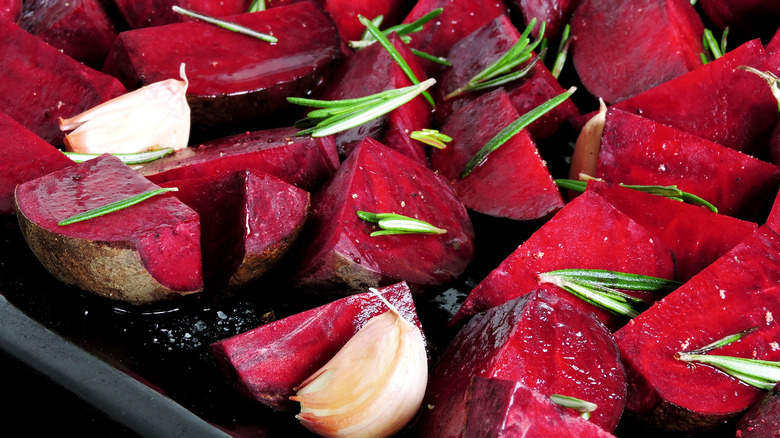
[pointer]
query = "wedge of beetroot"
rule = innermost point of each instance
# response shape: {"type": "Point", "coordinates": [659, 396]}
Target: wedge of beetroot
{"type": "Point", "coordinates": [145, 253]}
{"type": "Point", "coordinates": [555, 14]}
{"type": "Point", "coordinates": [372, 70]}
{"type": "Point", "coordinates": [50, 83]}
{"type": "Point", "coordinates": [11, 10]}
{"type": "Point", "coordinates": [340, 255]}
{"type": "Point", "coordinates": [150, 13]}
{"type": "Point", "coordinates": [739, 291]}
{"type": "Point", "coordinates": [266, 364]}
{"type": "Point", "coordinates": [26, 157]}
{"type": "Point", "coordinates": [249, 220]}
{"type": "Point", "coordinates": [82, 29]}
{"type": "Point", "coordinates": [304, 162]}
{"type": "Point", "coordinates": [621, 49]}
{"type": "Point", "coordinates": [588, 233]}
{"type": "Point", "coordinates": [233, 79]}
{"type": "Point", "coordinates": [754, 17]}
{"type": "Point", "coordinates": [763, 419]}
{"type": "Point", "coordinates": [514, 182]}
{"type": "Point", "coordinates": [696, 235]}
{"type": "Point", "coordinates": [481, 48]}
{"type": "Point", "coordinates": [636, 150]}
{"type": "Point", "coordinates": [505, 408]}
{"type": "Point", "coordinates": [538, 340]}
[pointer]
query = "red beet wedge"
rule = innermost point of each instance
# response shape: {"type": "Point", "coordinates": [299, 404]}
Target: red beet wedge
{"type": "Point", "coordinates": [763, 419]}
{"type": "Point", "coordinates": [341, 256]}
{"type": "Point", "coordinates": [150, 13]}
{"type": "Point", "coordinates": [538, 340]}
{"type": "Point", "coordinates": [11, 10]}
{"type": "Point", "coordinates": [555, 13]}
{"type": "Point", "coordinates": [737, 292]}
{"type": "Point", "coordinates": [266, 364]}
{"type": "Point", "coordinates": [142, 254]}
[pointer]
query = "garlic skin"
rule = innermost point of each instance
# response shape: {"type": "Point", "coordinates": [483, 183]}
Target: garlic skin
{"type": "Point", "coordinates": [155, 116]}
{"type": "Point", "coordinates": [585, 158]}
{"type": "Point", "coordinates": [373, 386]}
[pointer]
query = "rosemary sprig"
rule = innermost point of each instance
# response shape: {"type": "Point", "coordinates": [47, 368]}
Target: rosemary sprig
{"type": "Point", "coordinates": [563, 52]}
{"type": "Point", "coordinates": [402, 30]}
{"type": "Point", "coordinates": [227, 25]}
{"type": "Point", "coordinates": [771, 79]}
{"type": "Point", "coordinates": [429, 57]}
{"type": "Point", "coordinates": [761, 374]}
{"type": "Point", "coordinates": [431, 137]}
{"type": "Point", "coordinates": [513, 128]}
{"type": "Point", "coordinates": [114, 206]}
{"type": "Point", "coordinates": [391, 223]}
{"type": "Point", "coordinates": [393, 52]}
{"type": "Point", "coordinates": [500, 72]}
{"type": "Point", "coordinates": [712, 49]}
{"type": "Point", "coordinates": [671, 192]}
{"type": "Point", "coordinates": [129, 159]}
{"type": "Point", "coordinates": [339, 115]}
{"type": "Point", "coordinates": [257, 6]}
{"type": "Point", "coordinates": [579, 405]}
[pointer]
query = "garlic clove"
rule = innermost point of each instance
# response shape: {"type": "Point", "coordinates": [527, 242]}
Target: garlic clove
{"type": "Point", "coordinates": [373, 386]}
{"type": "Point", "coordinates": [585, 158]}
{"type": "Point", "coordinates": [155, 116]}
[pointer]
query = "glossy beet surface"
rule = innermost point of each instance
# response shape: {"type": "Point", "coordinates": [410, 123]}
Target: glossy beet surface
{"type": "Point", "coordinates": [149, 13]}
{"type": "Point", "coordinates": [763, 419]}
{"type": "Point", "coordinates": [538, 340]}
{"type": "Point", "coordinates": [268, 362]}
{"type": "Point", "coordinates": [555, 13]}
{"type": "Point", "coordinates": [737, 292]}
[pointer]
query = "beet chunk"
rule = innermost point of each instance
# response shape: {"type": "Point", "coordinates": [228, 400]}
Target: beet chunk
{"type": "Point", "coordinates": [145, 253]}
{"type": "Point", "coordinates": [763, 419]}
{"type": "Point", "coordinates": [737, 292]}
{"type": "Point", "coordinates": [538, 340]}
{"type": "Point", "coordinates": [150, 13]}
{"type": "Point", "coordinates": [341, 256]}
{"type": "Point", "coordinates": [11, 10]}
{"type": "Point", "coordinates": [50, 83]}
{"type": "Point", "coordinates": [25, 157]}
{"type": "Point", "coordinates": [621, 49]}
{"type": "Point", "coordinates": [514, 181]}
{"type": "Point", "coordinates": [636, 150]}
{"type": "Point", "coordinates": [756, 17]}
{"type": "Point", "coordinates": [554, 13]}
{"type": "Point", "coordinates": [266, 363]}
{"type": "Point", "coordinates": [588, 233]}
{"type": "Point", "coordinates": [304, 162]}
{"type": "Point", "coordinates": [234, 79]}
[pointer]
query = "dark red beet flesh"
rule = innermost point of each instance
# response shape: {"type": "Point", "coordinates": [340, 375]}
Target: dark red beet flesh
{"type": "Point", "coordinates": [11, 10]}
{"type": "Point", "coordinates": [538, 340]}
{"type": "Point", "coordinates": [763, 419]}
{"type": "Point", "coordinates": [737, 292]}
{"type": "Point", "coordinates": [554, 13]}
{"type": "Point", "coordinates": [341, 256]}
{"type": "Point", "coordinates": [268, 362]}
{"type": "Point", "coordinates": [149, 13]}
{"type": "Point", "coordinates": [758, 17]}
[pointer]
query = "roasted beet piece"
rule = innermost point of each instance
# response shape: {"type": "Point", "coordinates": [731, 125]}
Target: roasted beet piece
{"type": "Point", "coordinates": [538, 340]}
{"type": "Point", "coordinates": [341, 256]}
{"type": "Point", "coordinates": [149, 13]}
{"type": "Point", "coordinates": [145, 253]}
{"type": "Point", "coordinates": [696, 235]}
{"type": "Point", "coordinates": [588, 233]}
{"type": "Point", "coordinates": [11, 10]}
{"type": "Point", "coordinates": [478, 50]}
{"type": "Point", "coordinates": [82, 29]}
{"type": "Point", "coordinates": [621, 49]}
{"type": "Point", "coordinates": [554, 13]}
{"type": "Point", "coordinates": [636, 150]}
{"type": "Point", "coordinates": [271, 151]}
{"type": "Point", "coordinates": [248, 219]}
{"type": "Point", "coordinates": [514, 181]}
{"type": "Point", "coordinates": [372, 70]}
{"type": "Point", "coordinates": [755, 17]}
{"type": "Point", "coordinates": [763, 419]}
{"type": "Point", "coordinates": [25, 157]}
{"type": "Point", "coordinates": [50, 83]}
{"type": "Point", "coordinates": [234, 79]}
{"type": "Point", "coordinates": [737, 292]}
{"type": "Point", "coordinates": [504, 408]}
{"type": "Point", "coordinates": [266, 364]}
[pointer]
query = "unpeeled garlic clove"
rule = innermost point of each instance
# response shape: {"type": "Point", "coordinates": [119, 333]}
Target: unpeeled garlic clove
{"type": "Point", "coordinates": [373, 386]}
{"type": "Point", "coordinates": [585, 158]}
{"type": "Point", "coordinates": [156, 116]}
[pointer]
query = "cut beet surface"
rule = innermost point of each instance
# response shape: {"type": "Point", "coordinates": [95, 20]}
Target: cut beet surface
{"type": "Point", "coordinates": [145, 253]}
{"type": "Point", "coordinates": [340, 255]}
{"type": "Point", "coordinates": [372, 70]}
{"type": "Point", "coordinates": [50, 83]}
{"type": "Point", "coordinates": [538, 340]}
{"type": "Point", "coordinates": [621, 49]}
{"type": "Point", "coordinates": [554, 13]}
{"type": "Point", "coordinates": [737, 292]}
{"type": "Point", "coordinates": [304, 162]}
{"type": "Point", "coordinates": [756, 17]}
{"type": "Point", "coordinates": [234, 80]}
{"type": "Point", "coordinates": [763, 419]}
{"type": "Point", "coordinates": [249, 220]}
{"type": "Point", "coordinates": [588, 233]}
{"type": "Point", "coordinates": [11, 10]}
{"type": "Point", "coordinates": [636, 150]}
{"type": "Point", "coordinates": [267, 363]}
{"type": "Point", "coordinates": [150, 13]}
{"type": "Point", "coordinates": [25, 157]}
{"type": "Point", "coordinates": [696, 235]}
{"type": "Point", "coordinates": [514, 181]}
{"type": "Point", "coordinates": [505, 408]}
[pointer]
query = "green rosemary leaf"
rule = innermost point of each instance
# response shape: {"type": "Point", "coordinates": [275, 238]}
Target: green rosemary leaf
{"type": "Point", "coordinates": [762, 374]}
{"type": "Point", "coordinates": [509, 77]}
{"type": "Point", "coordinates": [391, 223]}
{"type": "Point", "coordinates": [563, 52]}
{"type": "Point", "coordinates": [402, 30]}
{"type": "Point", "coordinates": [429, 57]}
{"type": "Point", "coordinates": [114, 206]}
{"type": "Point", "coordinates": [257, 6]}
{"type": "Point", "coordinates": [723, 341]}
{"type": "Point", "coordinates": [571, 184]}
{"type": "Point", "coordinates": [590, 296]}
{"type": "Point", "coordinates": [233, 27]}
{"type": "Point", "coordinates": [711, 45]}
{"type": "Point", "coordinates": [619, 280]}
{"type": "Point", "coordinates": [431, 137]}
{"type": "Point", "coordinates": [129, 159]}
{"type": "Point", "coordinates": [513, 128]}
{"type": "Point", "coordinates": [579, 405]}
